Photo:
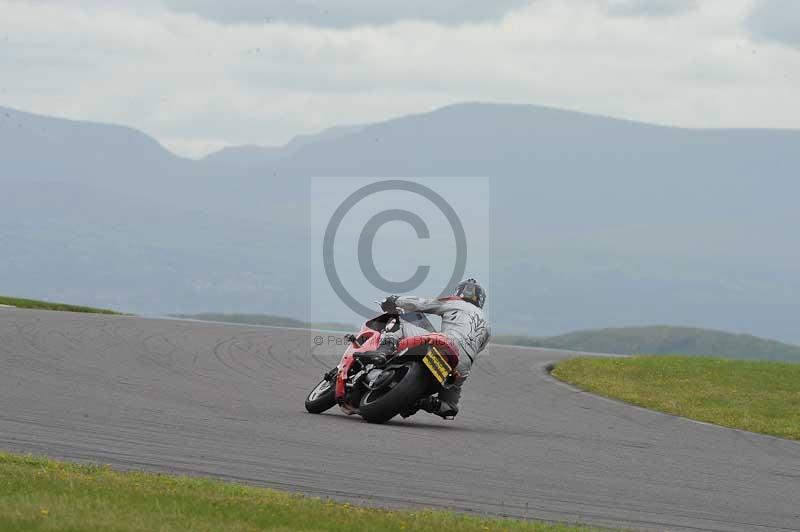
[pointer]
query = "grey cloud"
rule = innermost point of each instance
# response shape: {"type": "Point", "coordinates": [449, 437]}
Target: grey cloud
{"type": "Point", "coordinates": [649, 8]}
{"type": "Point", "coordinates": [776, 20]}
{"type": "Point", "coordinates": [347, 13]}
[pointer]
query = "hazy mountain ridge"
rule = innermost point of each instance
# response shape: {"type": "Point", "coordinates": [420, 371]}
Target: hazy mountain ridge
{"type": "Point", "coordinates": [254, 156]}
{"type": "Point", "coordinates": [604, 222]}
{"type": "Point", "coordinates": [41, 147]}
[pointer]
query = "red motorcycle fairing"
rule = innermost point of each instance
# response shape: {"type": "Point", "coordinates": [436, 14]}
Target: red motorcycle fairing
{"type": "Point", "coordinates": [446, 346]}
{"type": "Point", "coordinates": [369, 340]}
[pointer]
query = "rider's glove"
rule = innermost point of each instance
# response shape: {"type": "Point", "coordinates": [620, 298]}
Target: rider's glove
{"type": "Point", "coordinates": [389, 305]}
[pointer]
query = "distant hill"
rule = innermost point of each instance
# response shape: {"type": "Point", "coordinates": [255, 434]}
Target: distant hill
{"type": "Point", "coordinates": [595, 222]}
{"type": "Point", "coordinates": [252, 156]}
{"type": "Point", "coordinates": [266, 319]}
{"type": "Point", "coordinates": [664, 340]}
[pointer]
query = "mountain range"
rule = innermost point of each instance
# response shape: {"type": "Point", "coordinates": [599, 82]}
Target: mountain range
{"type": "Point", "coordinates": [595, 222]}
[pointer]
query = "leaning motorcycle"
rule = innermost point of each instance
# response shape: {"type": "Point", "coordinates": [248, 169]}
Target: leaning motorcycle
{"type": "Point", "coordinates": [421, 367]}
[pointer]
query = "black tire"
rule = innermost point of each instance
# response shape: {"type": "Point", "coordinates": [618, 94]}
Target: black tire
{"type": "Point", "coordinates": [381, 405]}
{"type": "Point", "coordinates": [322, 397]}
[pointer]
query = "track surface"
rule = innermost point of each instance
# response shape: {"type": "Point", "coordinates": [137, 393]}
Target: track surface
{"type": "Point", "coordinates": [227, 401]}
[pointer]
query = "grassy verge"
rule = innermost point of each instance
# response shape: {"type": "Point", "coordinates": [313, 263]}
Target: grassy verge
{"type": "Point", "coordinates": [756, 396]}
{"type": "Point", "coordinates": [39, 494]}
{"type": "Point", "coordinates": [45, 305]}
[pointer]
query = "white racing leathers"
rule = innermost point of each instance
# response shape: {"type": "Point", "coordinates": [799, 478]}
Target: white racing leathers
{"type": "Point", "coordinates": [462, 322]}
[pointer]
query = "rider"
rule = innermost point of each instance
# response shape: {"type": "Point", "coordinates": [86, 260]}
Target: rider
{"type": "Point", "coordinates": [464, 327]}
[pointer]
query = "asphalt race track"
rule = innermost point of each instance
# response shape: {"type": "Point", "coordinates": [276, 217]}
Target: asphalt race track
{"type": "Point", "coordinates": [227, 401]}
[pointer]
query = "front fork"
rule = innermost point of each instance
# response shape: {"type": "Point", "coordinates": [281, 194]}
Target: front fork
{"type": "Point", "coordinates": [331, 375]}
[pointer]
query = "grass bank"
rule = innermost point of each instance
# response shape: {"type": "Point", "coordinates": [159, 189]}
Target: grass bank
{"type": "Point", "coordinates": [756, 396]}
{"type": "Point", "coordinates": [37, 494]}
{"type": "Point", "coordinates": [46, 305]}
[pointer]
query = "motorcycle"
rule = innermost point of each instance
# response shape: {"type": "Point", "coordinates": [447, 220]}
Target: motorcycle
{"type": "Point", "coordinates": [420, 367]}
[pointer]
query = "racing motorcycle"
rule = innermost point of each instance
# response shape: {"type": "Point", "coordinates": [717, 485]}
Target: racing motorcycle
{"type": "Point", "coordinates": [421, 366]}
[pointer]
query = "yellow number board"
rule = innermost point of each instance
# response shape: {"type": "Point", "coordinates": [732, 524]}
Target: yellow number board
{"type": "Point", "coordinates": [437, 364]}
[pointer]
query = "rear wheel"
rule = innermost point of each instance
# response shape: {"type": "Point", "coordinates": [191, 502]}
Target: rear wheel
{"type": "Point", "coordinates": [409, 383]}
{"type": "Point", "coordinates": [322, 397]}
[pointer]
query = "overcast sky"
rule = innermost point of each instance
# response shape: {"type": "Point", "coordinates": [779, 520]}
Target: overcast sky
{"type": "Point", "coordinates": [202, 74]}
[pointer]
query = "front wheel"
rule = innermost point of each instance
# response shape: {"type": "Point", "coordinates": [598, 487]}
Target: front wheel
{"type": "Point", "coordinates": [322, 397]}
{"type": "Point", "coordinates": [409, 383]}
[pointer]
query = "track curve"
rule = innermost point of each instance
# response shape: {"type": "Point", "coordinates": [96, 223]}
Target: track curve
{"type": "Point", "coordinates": [227, 401]}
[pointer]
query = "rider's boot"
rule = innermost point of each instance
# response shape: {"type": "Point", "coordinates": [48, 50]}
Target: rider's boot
{"type": "Point", "coordinates": [436, 406]}
{"type": "Point", "coordinates": [379, 357]}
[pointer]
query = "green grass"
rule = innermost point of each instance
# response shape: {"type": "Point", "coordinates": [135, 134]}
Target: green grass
{"type": "Point", "coordinates": [46, 305]}
{"type": "Point", "coordinates": [756, 396]}
{"type": "Point", "coordinates": [37, 494]}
